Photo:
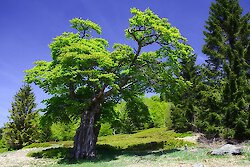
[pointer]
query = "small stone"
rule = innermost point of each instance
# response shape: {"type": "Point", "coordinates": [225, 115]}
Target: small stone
{"type": "Point", "coordinates": [186, 147]}
{"type": "Point", "coordinates": [198, 165]}
{"type": "Point", "coordinates": [227, 149]}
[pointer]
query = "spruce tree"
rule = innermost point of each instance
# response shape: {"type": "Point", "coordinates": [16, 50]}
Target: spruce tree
{"type": "Point", "coordinates": [209, 117]}
{"type": "Point", "coordinates": [185, 112]}
{"type": "Point", "coordinates": [227, 38]}
{"type": "Point", "coordinates": [23, 127]}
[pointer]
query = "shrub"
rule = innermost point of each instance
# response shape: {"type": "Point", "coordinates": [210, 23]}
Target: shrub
{"type": "Point", "coordinates": [105, 130]}
{"type": "Point", "coordinates": [159, 112]}
{"type": "Point", "coordinates": [2, 144]}
{"type": "Point", "coordinates": [63, 131]}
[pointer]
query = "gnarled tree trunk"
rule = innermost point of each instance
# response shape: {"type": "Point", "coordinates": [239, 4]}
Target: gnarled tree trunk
{"type": "Point", "coordinates": [87, 133]}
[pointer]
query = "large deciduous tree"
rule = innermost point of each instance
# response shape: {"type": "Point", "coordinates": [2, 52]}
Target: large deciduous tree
{"type": "Point", "coordinates": [86, 80]}
{"type": "Point", "coordinates": [228, 49]}
{"type": "Point", "coordinates": [22, 128]}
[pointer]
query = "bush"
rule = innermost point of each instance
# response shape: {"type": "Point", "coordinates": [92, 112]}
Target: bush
{"type": "Point", "coordinates": [105, 130]}
{"type": "Point", "coordinates": [2, 144]}
{"type": "Point", "coordinates": [63, 131]}
{"type": "Point", "coordinates": [159, 112]}
{"type": "Point", "coordinates": [141, 113]}
{"type": "Point", "coordinates": [132, 115]}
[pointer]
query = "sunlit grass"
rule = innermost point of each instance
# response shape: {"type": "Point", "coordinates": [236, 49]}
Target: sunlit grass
{"type": "Point", "coordinates": [153, 147]}
{"type": "Point", "coordinates": [141, 142]}
{"type": "Point", "coordinates": [150, 139]}
{"type": "Point", "coordinates": [37, 145]}
{"type": "Point", "coordinates": [2, 150]}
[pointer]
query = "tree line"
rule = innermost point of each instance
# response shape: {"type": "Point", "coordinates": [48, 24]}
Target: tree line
{"type": "Point", "coordinates": [86, 81]}
{"type": "Point", "coordinates": [217, 103]}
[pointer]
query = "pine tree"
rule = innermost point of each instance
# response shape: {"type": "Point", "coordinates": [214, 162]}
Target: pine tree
{"type": "Point", "coordinates": [228, 49]}
{"type": "Point", "coordinates": [185, 112]}
{"type": "Point", "coordinates": [23, 127]}
{"type": "Point", "coordinates": [209, 117]}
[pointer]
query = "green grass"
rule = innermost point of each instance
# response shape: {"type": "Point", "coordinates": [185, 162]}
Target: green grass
{"type": "Point", "coordinates": [247, 154]}
{"type": "Point", "coordinates": [54, 153]}
{"type": "Point", "coordinates": [248, 143]}
{"type": "Point", "coordinates": [150, 139]}
{"type": "Point", "coordinates": [152, 147]}
{"type": "Point", "coordinates": [66, 144]}
{"type": "Point", "coordinates": [109, 147]}
{"type": "Point", "coordinates": [37, 145]}
{"type": "Point", "coordinates": [196, 154]}
{"type": "Point", "coordinates": [2, 150]}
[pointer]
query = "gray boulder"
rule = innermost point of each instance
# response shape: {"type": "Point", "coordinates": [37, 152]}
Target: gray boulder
{"type": "Point", "coordinates": [227, 149]}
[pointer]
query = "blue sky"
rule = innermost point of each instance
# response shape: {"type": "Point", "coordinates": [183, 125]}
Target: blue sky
{"type": "Point", "coordinates": [28, 26]}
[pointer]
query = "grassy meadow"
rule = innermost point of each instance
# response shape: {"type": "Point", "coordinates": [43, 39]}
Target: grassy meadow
{"type": "Point", "coordinates": [151, 147]}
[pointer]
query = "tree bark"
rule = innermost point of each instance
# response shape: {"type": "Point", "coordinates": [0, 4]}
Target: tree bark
{"type": "Point", "coordinates": [87, 133]}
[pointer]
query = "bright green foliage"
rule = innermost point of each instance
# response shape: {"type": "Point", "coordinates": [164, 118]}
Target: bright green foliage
{"type": "Point", "coordinates": [132, 115]}
{"type": "Point", "coordinates": [73, 74]}
{"type": "Point", "coordinates": [62, 131]}
{"type": "Point", "coordinates": [106, 129]}
{"type": "Point", "coordinates": [227, 45]}
{"type": "Point", "coordinates": [138, 114]}
{"type": "Point", "coordinates": [56, 131]}
{"type": "Point", "coordinates": [84, 26]}
{"type": "Point", "coordinates": [23, 126]}
{"type": "Point", "coordinates": [159, 112]}
{"type": "Point", "coordinates": [2, 144]}
{"type": "Point", "coordinates": [147, 28]}
{"type": "Point", "coordinates": [142, 113]}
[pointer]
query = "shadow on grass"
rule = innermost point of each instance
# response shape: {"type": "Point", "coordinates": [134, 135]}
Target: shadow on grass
{"type": "Point", "coordinates": [105, 153]}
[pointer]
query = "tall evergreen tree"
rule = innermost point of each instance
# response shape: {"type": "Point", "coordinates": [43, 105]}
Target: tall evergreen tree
{"type": "Point", "coordinates": [228, 49]}
{"type": "Point", "coordinates": [23, 127]}
{"type": "Point", "coordinates": [209, 117]}
{"type": "Point", "coordinates": [185, 112]}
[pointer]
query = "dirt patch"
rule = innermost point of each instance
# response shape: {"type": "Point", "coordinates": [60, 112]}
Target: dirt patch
{"type": "Point", "coordinates": [192, 139]}
{"type": "Point", "coordinates": [19, 159]}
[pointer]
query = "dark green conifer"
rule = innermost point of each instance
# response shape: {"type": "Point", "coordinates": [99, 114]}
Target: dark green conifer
{"type": "Point", "coordinates": [227, 38]}
{"type": "Point", "coordinates": [23, 127]}
{"type": "Point", "coordinates": [185, 112]}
